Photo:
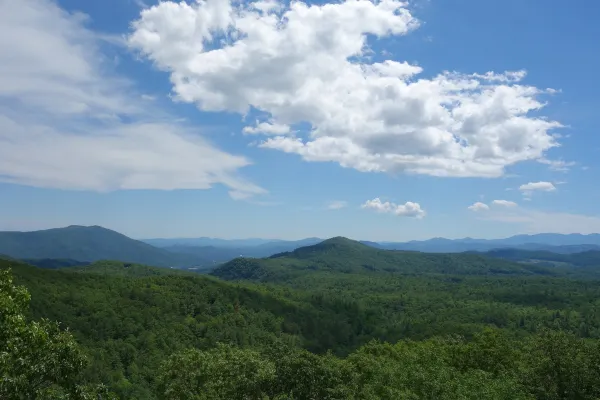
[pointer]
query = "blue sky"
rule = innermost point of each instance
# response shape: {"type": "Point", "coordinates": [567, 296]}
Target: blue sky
{"type": "Point", "coordinates": [206, 120]}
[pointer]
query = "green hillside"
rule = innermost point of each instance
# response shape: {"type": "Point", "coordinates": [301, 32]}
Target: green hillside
{"type": "Point", "coordinates": [87, 244]}
{"type": "Point", "coordinates": [341, 255]}
{"type": "Point", "coordinates": [447, 327]}
{"type": "Point", "coordinates": [585, 259]}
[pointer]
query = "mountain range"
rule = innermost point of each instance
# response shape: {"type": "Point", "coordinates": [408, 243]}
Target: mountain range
{"type": "Point", "coordinates": [88, 244]}
{"type": "Point", "coordinates": [76, 245]}
{"type": "Point", "coordinates": [342, 255]}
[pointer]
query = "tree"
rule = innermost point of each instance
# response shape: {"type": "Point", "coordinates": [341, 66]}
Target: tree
{"type": "Point", "coordinates": [38, 360]}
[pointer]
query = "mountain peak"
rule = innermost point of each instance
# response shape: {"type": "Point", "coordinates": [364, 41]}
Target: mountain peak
{"type": "Point", "coordinates": [338, 244]}
{"type": "Point", "coordinates": [340, 240]}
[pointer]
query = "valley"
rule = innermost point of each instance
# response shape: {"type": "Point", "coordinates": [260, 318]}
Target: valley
{"type": "Point", "coordinates": [475, 325]}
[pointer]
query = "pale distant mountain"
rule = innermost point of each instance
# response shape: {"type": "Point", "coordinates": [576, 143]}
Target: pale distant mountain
{"type": "Point", "coordinates": [554, 242]}
{"type": "Point", "coordinates": [92, 243]}
{"type": "Point", "coordinates": [230, 243]}
{"type": "Point", "coordinates": [207, 241]}
{"type": "Point", "coordinates": [225, 253]}
{"type": "Point", "coordinates": [89, 243]}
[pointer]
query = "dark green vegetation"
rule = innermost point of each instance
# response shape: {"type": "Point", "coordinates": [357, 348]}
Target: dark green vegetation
{"type": "Point", "coordinates": [302, 325]}
{"type": "Point", "coordinates": [341, 255]}
{"type": "Point", "coordinates": [87, 244]}
{"type": "Point", "coordinates": [583, 259]}
{"type": "Point", "coordinates": [37, 359]}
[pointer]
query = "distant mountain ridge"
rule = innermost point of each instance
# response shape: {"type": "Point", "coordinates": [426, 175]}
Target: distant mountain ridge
{"type": "Point", "coordinates": [228, 243]}
{"type": "Point", "coordinates": [555, 242]}
{"type": "Point", "coordinates": [80, 245]}
{"type": "Point", "coordinates": [344, 256]}
{"type": "Point", "coordinates": [88, 244]}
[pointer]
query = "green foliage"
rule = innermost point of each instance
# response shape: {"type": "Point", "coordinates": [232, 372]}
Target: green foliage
{"type": "Point", "coordinates": [544, 367]}
{"type": "Point", "coordinates": [301, 325]}
{"type": "Point", "coordinates": [223, 372]}
{"type": "Point", "coordinates": [586, 259]}
{"type": "Point", "coordinates": [38, 360]}
{"type": "Point", "coordinates": [340, 255]}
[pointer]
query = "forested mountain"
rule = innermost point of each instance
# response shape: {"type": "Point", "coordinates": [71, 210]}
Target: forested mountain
{"type": "Point", "coordinates": [341, 255]}
{"type": "Point", "coordinates": [89, 243]}
{"type": "Point", "coordinates": [583, 259]}
{"type": "Point", "coordinates": [155, 333]}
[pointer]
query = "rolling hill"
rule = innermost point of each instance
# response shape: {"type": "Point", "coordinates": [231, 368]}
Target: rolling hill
{"type": "Point", "coordinates": [341, 255]}
{"type": "Point", "coordinates": [586, 259]}
{"type": "Point", "coordinates": [87, 244]}
{"type": "Point", "coordinates": [554, 242]}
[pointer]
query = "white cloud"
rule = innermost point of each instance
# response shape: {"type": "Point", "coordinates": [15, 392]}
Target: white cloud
{"type": "Point", "coordinates": [529, 188]}
{"type": "Point", "coordinates": [408, 209]}
{"type": "Point", "coordinates": [67, 123]}
{"type": "Point", "coordinates": [478, 206]}
{"type": "Point", "coordinates": [305, 64]}
{"type": "Point", "coordinates": [337, 204]}
{"type": "Point", "coordinates": [504, 203]}
{"type": "Point", "coordinates": [557, 165]}
{"type": "Point", "coordinates": [267, 128]}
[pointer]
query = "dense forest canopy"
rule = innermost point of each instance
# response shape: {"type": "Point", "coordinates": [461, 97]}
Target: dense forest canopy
{"type": "Point", "coordinates": [337, 320]}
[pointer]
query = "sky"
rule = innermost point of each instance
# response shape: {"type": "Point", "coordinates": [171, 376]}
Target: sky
{"type": "Point", "coordinates": [375, 120]}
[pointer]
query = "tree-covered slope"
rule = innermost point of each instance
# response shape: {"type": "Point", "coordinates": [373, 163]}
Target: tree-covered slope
{"type": "Point", "coordinates": [88, 243]}
{"type": "Point", "coordinates": [151, 333]}
{"type": "Point", "coordinates": [586, 259]}
{"type": "Point", "coordinates": [341, 255]}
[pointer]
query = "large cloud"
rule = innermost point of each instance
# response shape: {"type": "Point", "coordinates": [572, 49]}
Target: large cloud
{"type": "Point", "coordinates": [65, 122]}
{"type": "Point", "coordinates": [304, 64]}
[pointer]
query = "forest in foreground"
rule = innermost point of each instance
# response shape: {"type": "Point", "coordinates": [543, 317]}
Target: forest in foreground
{"type": "Point", "coordinates": [338, 320]}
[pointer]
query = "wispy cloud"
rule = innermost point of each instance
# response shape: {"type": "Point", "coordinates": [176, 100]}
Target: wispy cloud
{"type": "Point", "coordinates": [529, 188]}
{"type": "Point", "coordinates": [337, 204]}
{"type": "Point", "coordinates": [534, 221]}
{"type": "Point", "coordinates": [557, 165]}
{"type": "Point", "coordinates": [68, 122]}
{"type": "Point", "coordinates": [504, 203]}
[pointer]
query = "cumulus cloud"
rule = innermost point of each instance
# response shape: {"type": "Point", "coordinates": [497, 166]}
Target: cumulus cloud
{"type": "Point", "coordinates": [66, 122]}
{"type": "Point", "coordinates": [529, 188]}
{"type": "Point", "coordinates": [267, 128]}
{"type": "Point", "coordinates": [478, 206]}
{"type": "Point", "coordinates": [337, 204]}
{"type": "Point", "coordinates": [504, 203]}
{"type": "Point", "coordinates": [304, 64]}
{"type": "Point", "coordinates": [408, 209]}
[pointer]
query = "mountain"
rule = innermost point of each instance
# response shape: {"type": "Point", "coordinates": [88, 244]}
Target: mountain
{"type": "Point", "coordinates": [586, 259]}
{"type": "Point", "coordinates": [231, 243]}
{"type": "Point", "coordinates": [345, 256]}
{"type": "Point", "coordinates": [554, 242]}
{"type": "Point", "coordinates": [207, 242]}
{"type": "Point", "coordinates": [216, 255]}
{"type": "Point", "coordinates": [87, 244]}
{"type": "Point", "coordinates": [221, 250]}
